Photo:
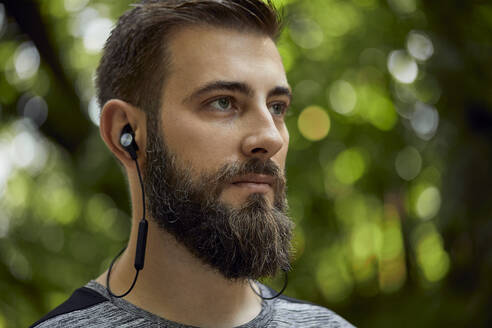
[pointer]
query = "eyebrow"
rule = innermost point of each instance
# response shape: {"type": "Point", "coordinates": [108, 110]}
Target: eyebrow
{"type": "Point", "coordinates": [240, 87]}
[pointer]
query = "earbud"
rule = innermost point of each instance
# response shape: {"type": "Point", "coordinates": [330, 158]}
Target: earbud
{"type": "Point", "coordinates": [127, 141]}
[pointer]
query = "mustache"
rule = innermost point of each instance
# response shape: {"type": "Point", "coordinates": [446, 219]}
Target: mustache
{"type": "Point", "coordinates": [230, 171]}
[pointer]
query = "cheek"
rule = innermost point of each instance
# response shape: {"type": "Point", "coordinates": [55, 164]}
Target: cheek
{"type": "Point", "coordinates": [286, 136]}
{"type": "Point", "coordinates": [281, 158]}
{"type": "Point", "coordinates": [282, 154]}
{"type": "Point", "coordinates": [205, 146]}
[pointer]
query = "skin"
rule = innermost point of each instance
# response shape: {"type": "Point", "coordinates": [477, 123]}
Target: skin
{"type": "Point", "coordinates": [204, 131]}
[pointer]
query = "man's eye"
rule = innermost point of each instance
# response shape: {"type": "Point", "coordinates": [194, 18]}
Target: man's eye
{"type": "Point", "coordinates": [222, 104]}
{"type": "Point", "coordinates": [278, 109]}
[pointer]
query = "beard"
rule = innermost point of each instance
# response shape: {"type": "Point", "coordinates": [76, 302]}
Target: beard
{"type": "Point", "coordinates": [251, 241]}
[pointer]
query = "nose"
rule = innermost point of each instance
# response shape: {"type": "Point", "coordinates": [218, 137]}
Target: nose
{"type": "Point", "coordinates": [264, 139]}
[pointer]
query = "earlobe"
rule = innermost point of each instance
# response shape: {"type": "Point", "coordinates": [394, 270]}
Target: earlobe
{"type": "Point", "coordinates": [115, 115]}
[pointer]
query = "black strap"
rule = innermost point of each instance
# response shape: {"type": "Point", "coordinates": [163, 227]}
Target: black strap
{"type": "Point", "coordinates": [82, 298]}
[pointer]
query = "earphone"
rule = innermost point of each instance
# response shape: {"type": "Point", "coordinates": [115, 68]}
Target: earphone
{"type": "Point", "coordinates": [127, 141]}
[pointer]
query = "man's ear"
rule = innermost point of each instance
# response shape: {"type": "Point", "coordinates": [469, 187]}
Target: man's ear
{"type": "Point", "coordinates": [114, 116]}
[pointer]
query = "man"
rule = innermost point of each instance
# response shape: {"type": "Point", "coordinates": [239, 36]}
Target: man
{"type": "Point", "coordinates": [200, 87]}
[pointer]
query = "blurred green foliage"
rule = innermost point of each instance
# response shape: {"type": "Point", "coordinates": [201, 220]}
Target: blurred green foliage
{"type": "Point", "coordinates": [389, 166]}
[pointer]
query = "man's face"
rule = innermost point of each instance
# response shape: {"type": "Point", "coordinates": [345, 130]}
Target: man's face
{"type": "Point", "coordinates": [239, 118]}
{"type": "Point", "coordinates": [215, 161]}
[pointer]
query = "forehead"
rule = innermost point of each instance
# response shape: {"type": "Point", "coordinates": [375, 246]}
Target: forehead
{"type": "Point", "coordinates": [203, 54]}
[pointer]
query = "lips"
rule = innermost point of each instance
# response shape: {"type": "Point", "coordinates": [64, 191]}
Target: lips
{"type": "Point", "coordinates": [259, 179]}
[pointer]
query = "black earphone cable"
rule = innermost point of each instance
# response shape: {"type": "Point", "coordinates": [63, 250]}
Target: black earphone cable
{"type": "Point", "coordinates": [108, 288]}
{"type": "Point", "coordinates": [141, 187]}
{"type": "Point", "coordinates": [272, 297]}
{"type": "Point", "coordinates": [138, 257]}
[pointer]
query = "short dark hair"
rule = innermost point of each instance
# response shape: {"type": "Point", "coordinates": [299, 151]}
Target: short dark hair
{"type": "Point", "coordinates": [136, 57]}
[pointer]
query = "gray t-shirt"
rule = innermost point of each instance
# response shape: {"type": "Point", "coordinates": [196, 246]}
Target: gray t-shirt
{"type": "Point", "coordinates": [98, 310]}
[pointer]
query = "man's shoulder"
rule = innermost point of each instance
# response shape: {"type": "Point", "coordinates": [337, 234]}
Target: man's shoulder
{"type": "Point", "coordinates": [292, 312]}
{"type": "Point", "coordinates": [300, 313]}
{"type": "Point", "coordinates": [86, 307]}
{"type": "Point", "coordinates": [71, 312]}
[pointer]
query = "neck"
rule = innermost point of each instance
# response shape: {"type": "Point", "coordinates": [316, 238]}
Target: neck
{"type": "Point", "coordinates": [177, 286]}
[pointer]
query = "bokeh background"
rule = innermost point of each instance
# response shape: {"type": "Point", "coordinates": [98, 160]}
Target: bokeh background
{"type": "Point", "coordinates": [388, 170]}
